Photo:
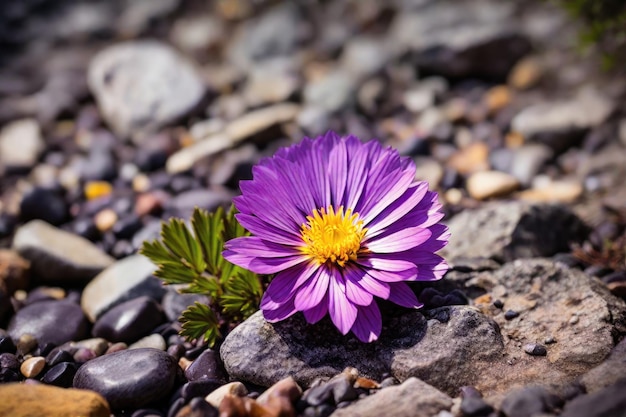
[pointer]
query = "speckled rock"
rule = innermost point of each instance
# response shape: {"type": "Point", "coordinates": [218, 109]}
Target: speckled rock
{"type": "Point", "coordinates": [511, 230]}
{"type": "Point", "coordinates": [58, 256]}
{"type": "Point", "coordinates": [129, 378]}
{"type": "Point", "coordinates": [413, 398]}
{"type": "Point", "coordinates": [444, 349]}
{"type": "Point", "coordinates": [27, 400]}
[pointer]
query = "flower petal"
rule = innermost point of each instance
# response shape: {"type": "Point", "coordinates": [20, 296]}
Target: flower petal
{"type": "Point", "coordinates": [400, 241]}
{"type": "Point", "coordinates": [254, 246]}
{"type": "Point", "coordinates": [403, 205]}
{"type": "Point", "coordinates": [342, 311]}
{"type": "Point", "coordinates": [283, 311]}
{"type": "Point", "coordinates": [315, 314]}
{"type": "Point", "coordinates": [312, 291]}
{"type": "Point", "coordinates": [354, 291]}
{"type": "Point", "coordinates": [403, 295]}
{"type": "Point", "coordinates": [285, 283]}
{"type": "Point", "coordinates": [368, 323]}
{"type": "Point", "coordinates": [267, 231]}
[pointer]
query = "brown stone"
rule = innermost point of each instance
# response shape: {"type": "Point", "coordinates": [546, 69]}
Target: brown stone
{"type": "Point", "coordinates": [472, 158]}
{"type": "Point", "coordinates": [13, 276]}
{"type": "Point", "coordinates": [25, 400]}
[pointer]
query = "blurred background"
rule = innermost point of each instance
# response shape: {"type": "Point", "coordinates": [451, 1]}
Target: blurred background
{"type": "Point", "coordinates": [116, 114]}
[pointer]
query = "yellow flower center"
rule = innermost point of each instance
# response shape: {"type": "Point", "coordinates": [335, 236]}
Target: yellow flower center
{"type": "Point", "coordinates": [332, 236]}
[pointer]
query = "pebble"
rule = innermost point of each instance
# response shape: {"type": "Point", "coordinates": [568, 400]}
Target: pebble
{"type": "Point", "coordinates": [60, 375]}
{"type": "Point", "coordinates": [126, 279]}
{"type": "Point", "coordinates": [528, 401]}
{"type": "Point", "coordinates": [105, 219]}
{"type": "Point", "coordinates": [33, 366]}
{"type": "Point", "coordinates": [199, 388]}
{"type": "Point", "coordinates": [49, 322]}
{"type": "Point", "coordinates": [205, 366]}
{"type": "Point", "coordinates": [564, 191]}
{"type": "Point", "coordinates": [231, 389]}
{"type": "Point", "coordinates": [25, 400]}
{"type": "Point", "coordinates": [59, 256]}
{"type": "Point", "coordinates": [129, 378]}
{"type": "Point", "coordinates": [97, 189]}
{"type": "Point", "coordinates": [489, 184]}
{"type": "Point", "coordinates": [526, 73]}
{"type": "Point", "coordinates": [535, 349]}
{"type": "Point", "coordinates": [129, 321]}
{"type": "Point", "coordinates": [332, 92]}
{"type": "Point", "coordinates": [154, 341]}
{"type": "Point", "coordinates": [122, 78]}
{"type": "Point", "coordinates": [20, 144]}
{"type": "Point", "coordinates": [510, 314]}
{"type": "Point", "coordinates": [44, 204]}
{"type": "Point", "coordinates": [473, 158]}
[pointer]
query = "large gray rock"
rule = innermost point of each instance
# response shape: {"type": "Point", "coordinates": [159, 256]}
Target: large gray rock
{"type": "Point", "coordinates": [413, 398]}
{"type": "Point", "coordinates": [608, 372]}
{"type": "Point", "coordinates": [57, 256]}
{"type": "Point", "coordinates": [513, 230]}
{"type": "Point", "coordinates": [573, 316]}
{"type": "Point", "coordinates": [126, 279]}
{"type": "Point", "coordinates": [143, 85]}
{"type": "Point", "coordinates": [445, 349]}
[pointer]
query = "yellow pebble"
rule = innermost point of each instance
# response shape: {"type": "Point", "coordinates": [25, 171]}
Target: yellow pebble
{"type": "Point", "coordinates": [97, 189]}
{"type": "Point", "coordinates": [32, 367]}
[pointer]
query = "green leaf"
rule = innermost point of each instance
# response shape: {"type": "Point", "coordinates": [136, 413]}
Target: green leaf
{"type": "Point", "coordinates": [208, 230]}
{"type": "Point", "coordinates": [200, 322]}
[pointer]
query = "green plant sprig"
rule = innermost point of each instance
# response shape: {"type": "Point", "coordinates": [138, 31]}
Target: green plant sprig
{"type": "Point", "coordinates": [191, 256]}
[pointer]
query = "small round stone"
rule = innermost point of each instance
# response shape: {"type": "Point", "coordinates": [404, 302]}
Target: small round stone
{"type": "Point", "coordinates": [498, 303]}
{"type": "Point", "coordinates": [97, 189]}
{"type": "Point", "coordinates": [511, 314]}
{"type": "Point", "coordinates": [32, 367]}
{"type": "Point", "coordinates": [535, 349]}
{"type": "Point", "coordinates": [60, 375]}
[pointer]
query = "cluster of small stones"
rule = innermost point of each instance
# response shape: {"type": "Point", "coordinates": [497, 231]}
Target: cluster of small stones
{"type": "Point", "coordinates": [487, 97]}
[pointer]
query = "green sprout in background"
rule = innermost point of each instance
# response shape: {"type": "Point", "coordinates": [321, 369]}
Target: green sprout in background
{"type": "Point", "coordinates": [191, 256]}
{"type": "Point", "coordinates": [604, 26]}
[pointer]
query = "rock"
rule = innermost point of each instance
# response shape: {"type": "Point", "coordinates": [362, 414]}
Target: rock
{"type": "Point", "coordinates": [123, 78]}
{"type": "Point", "coordinates": [20, 145]}
{"type": "Point", "coordinates": [429, 170]}
{"type": "Point", "coordinates": [559, 124]}
{"type": "Point", "coordinates": [609, 401]}
{"type": "Point", "coordinates": [413, 398]}
{"type": "Point", "coordinates": [272, 34]}
{"type": "Point", "coordinates": [183, 205]}
{"type": "Point", "coordinates": [58, 256]}
{"type": "Point", "coordinates": [205, 366]}
{"type": "Point", "coordinates": [60, 375]}
{"type": "Point", "coordinates": [462, 40]}
{"type": "Point", "coordinates": [129, 321]}
{"type": "Point", "coordinates": [197, 34]}
{"type": "Point", "coordinates": [488, 184]}
{"type": "Point", "coordinates": [126, 279]}
{"type": "Point", "coordinates": [233, 388]}
{"type": "Point", "coordinates": [14, 275]}
{"type": "Point", "coordinates": [44, 204]}
{"type": "Point", "coordinates": [271, 81]}
{"type": "Point", "coordinates": [129, 378]}
{"type": "Point", "coordinates": [547, 295]}
{"type": "Point", "coordinates": [137, 15]}
{"type": "Point", "coordinates": [331, 92]}
{"type": "Point", "coordinates": [363, 56]}
{"type": "Point", "coordinates": [608, 372]}
{"type": "Point", "coordinates": [32, 366]}
{"type": "Point", "coordinates": [472, 158]}
{"type": "Point", "coordinates": [49, 322]}
{"type": "Point", "coordinates": [174, 302]}
{"type": "Point", "coordinates": [25, 400]}
{"type": "Point", "coordinates": [410, 345]}
{"type": "Point", "coordinates": [511, 230]}
{"type": "Point", "coordinates": [526, 73]}
{"type": "Point", "coordinates": [553, 192]}
{"type": "Point", "coordinates": [154, 341]}
{"type": "Point", "coordinates": [528, 161]}
{"type": "Point", "coordinates": [528, 402]}
{"type": "Point", "coordinates": [250, 124]}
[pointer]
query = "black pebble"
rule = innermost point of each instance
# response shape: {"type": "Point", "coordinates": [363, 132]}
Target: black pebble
{"type": "Point", "coordinates": [8, 375]}
{"type": "Point", "coordinates": [535, 349]}
{"type": "Point", "coordinates": [200, 388]}
{"type": "Point", "coordinates": [60, 375]}
{"type": "Point", "coordinates": [147, 412]}
{"type": "Point", "coordinates": [199, 407]}
{"type": "Point", "coordinates": [44, 204]}
{"type": "Point", "coordinates": [57, 356]}
{"type": "Point", "coordinates": [7, 345]}
{"type": "Point", "coordinates": [498, 304]}
{"type": "Point", "coordinates": [9, 361]}
{"type": "Point", "coordinates": [472, 406]}
{"type": "Point", "coordinates": [510, 314]}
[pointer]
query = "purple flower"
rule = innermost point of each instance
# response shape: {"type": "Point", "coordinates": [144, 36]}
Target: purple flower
{"type": "Point", "coordinates": [339, 222]}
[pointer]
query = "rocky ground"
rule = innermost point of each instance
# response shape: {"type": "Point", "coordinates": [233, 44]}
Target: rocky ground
{"type": "Point", "coordinates": [118, 114]}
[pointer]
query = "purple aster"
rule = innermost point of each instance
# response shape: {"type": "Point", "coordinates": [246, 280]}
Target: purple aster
{"type": "Point", "coordinates": [340, 222]}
